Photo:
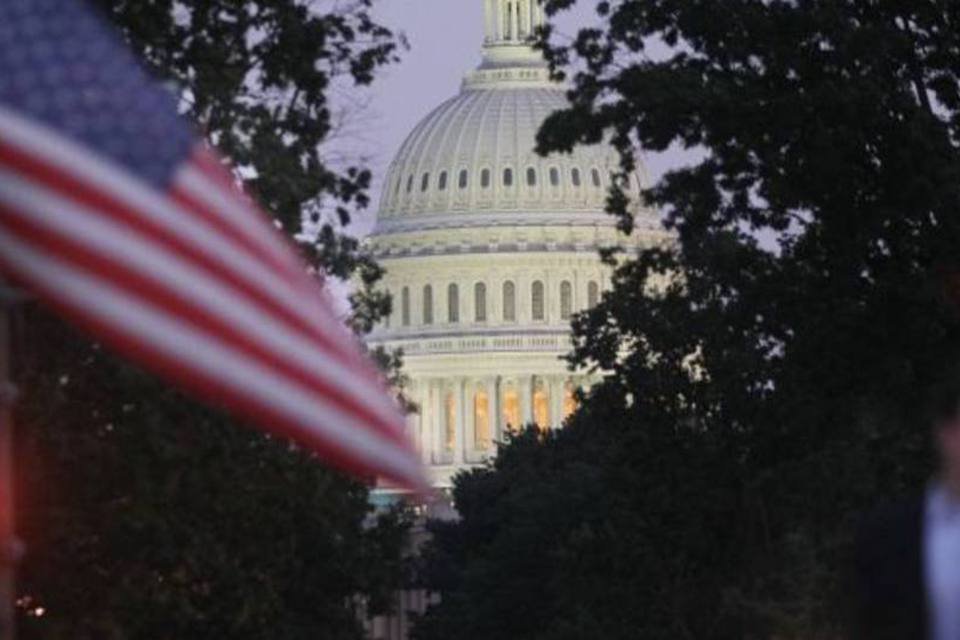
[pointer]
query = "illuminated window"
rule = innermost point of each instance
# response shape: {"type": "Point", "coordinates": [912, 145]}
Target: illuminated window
{"type": "Point", "coordinates": [531, 177]}
{"type": "Point", "coordinates": [453, 304]}
{"type": "Point", "coordinates": [482, 437]}
{"type": "Point", "coordinates": [593, 294]}
{"type": "Point", "coordinates": [554, 177]}
{"type": "Point", "coordinates": [450, 423]}
{"type": "Point", "coordinates": [485, 178]}
{"type": "Point", "coordinates": [480, 302]}
{"type": "Point", "coordinates": [462, 183]}
{"type": "Point", "coordinates": [442, 183]}
{"type": "Point", "coordinates": [569, 400]}
{"type": "Point", "coordinates": [566, 300]}
{"type": "Point", "coordinates": [537, 301]}
{"type": "Point", "coordinates": [428, 305]}
{"type": "Point", "coordinates": [405, 306]}
{"type": "Point", "coordinates": [511, 408]}
{"type": "Point", "coordinates": [541, 406]}
{"type": "Point", "coordinates": [575, 176]}
{"type": "Point", "coordinates": [508, 177]}
{"type": "Point", "coordinates": [509, 302]}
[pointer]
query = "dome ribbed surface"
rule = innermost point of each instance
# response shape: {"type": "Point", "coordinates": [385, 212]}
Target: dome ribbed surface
{"type": "Point", "coordinates": [475, 153]}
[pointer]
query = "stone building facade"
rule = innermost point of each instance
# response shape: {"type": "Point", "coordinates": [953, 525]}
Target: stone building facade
{"type": "Point", "coordinates": [490, 249]}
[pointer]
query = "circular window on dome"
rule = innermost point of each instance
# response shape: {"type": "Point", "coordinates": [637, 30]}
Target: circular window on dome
{"type": "Point", "coordinates": [508, 177]}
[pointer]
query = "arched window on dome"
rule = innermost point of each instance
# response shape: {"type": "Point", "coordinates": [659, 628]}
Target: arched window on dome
{"type": "Point", "coordinates": [554, 177]}
{"type": "Point", "coordinates": [405, 306]}
{"type": "Point", "coordinates": [508, 177]}
{"type": "Point", "coordinates": [480, 302]}
{"type": "Point", "coordinates": [575, 177]}
{"type": "Point", "coordinates": [396, 188]}
{"type": "Point", "coordinates": [425, 182]}
{"type": "Point", "coordinates": [485, 178]}
{"type": "Point", "coordinates": [531, 177]}
{"type": "Point", "coordinates": [442, 181]}
{"type": "Point", "coordinates": [427, 304]}
{"type": "Point", "coordinates": [509, 302]}
{"type": "Point", "coordinates": [463, 180]}
{"type": "Point", "coordinates": [566, 300]}
{"type": "Point", "coordinates": [595, 175]}
{"type": "Point", "coordinates": [482, 436]}
{"type": "Point", "coordinates": [593, 294]}
{"type": "Point", "coordinates": [537, 305]}
{"type": "Point", "coordinates": [410, 183]}
{"type": "Point", "coordinates": [453, 304]}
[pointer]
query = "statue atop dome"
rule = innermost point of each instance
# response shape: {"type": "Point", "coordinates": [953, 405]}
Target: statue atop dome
{"type": "Point", "coordinates": [512, 21]}
{"type": "Point", "coordinates": [510, 27]}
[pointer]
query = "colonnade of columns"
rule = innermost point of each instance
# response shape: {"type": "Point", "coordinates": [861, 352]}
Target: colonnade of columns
{"type": "Point", "coordinates": [512, 20]}
{"type": "Point", "coordinates": [460, 419]}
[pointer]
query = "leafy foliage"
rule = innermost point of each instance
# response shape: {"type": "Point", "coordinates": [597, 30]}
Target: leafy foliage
{"type": "Point", "coordinates": [146, 515]}
{"type": "Point", "coordinates": [776, 384]}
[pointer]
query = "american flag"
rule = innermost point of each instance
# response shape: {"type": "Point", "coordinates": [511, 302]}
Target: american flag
{"type": "Point", "coordinates": [115, 214]}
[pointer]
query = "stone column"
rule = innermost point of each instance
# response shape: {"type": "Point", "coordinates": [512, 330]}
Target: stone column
{"type": "Point", "coordinates": [436, 422]}
{"type": "Point", "coordinates": [525, 387]}
{"type": "Point", "coordinates": [493, 406]}
{"type": "Point", "coordinates": [469, 426]}
{"type": "Point", "coordinates": [425, 435]}
{"type": "Point", "coordinates": [460, 445]}
{"type": "Point", "coordinates": [556, 400]}
{"type": "Point", "coordinates": [501, 22]}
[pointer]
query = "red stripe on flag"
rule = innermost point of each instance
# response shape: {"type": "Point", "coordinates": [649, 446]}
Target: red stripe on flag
{"type": "Point", "coordinates": [110, 269]}
{"type": "Point", "coordinates": [209, 387]}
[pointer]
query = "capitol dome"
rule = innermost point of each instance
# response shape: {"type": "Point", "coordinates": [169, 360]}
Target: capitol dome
{"type": "Point", "coordinates": [475, 153]}
{"type": "Point", "coordinates": [490, 249]}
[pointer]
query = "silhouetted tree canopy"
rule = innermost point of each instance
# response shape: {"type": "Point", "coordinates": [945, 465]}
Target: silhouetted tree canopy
{"type": "Point", "coordinates": [773, 384]}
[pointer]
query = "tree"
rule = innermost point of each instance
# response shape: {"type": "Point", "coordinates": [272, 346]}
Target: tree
{"type": "Point", "coordinates": [145, 514]}
{"type": "Point", "coordinates": [776, 384]}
